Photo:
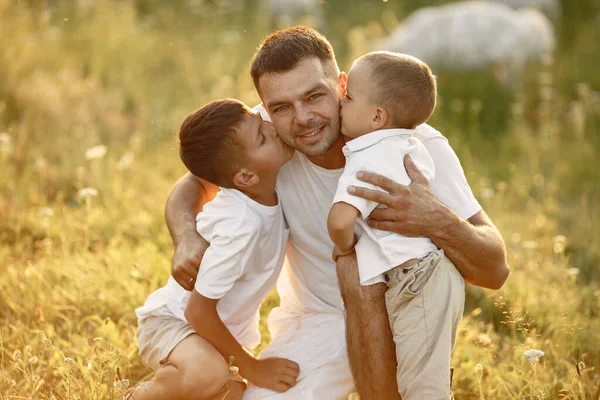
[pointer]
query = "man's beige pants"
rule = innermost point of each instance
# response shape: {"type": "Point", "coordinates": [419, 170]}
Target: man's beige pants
{"type": "Point", "coordinates": [425, 303]}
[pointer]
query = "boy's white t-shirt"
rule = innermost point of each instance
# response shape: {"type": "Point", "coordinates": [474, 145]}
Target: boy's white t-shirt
{"type": "Point", "coordinates": [379, 251]}
{"type": "Point", "coordinates": [240, 267]}
{"type": "Point", "coordinates": [309, 284]}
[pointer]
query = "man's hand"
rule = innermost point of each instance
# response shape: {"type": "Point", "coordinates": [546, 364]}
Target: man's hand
{"type": "Point", "coordinates": [274, 373]}
{"type": "Point", "coordinates": [411, 210]}
{"type": "Point", "coordinates": [186, 260]}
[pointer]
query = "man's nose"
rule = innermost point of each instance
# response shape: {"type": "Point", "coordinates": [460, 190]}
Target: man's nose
{"type": "Point", "coordinates": [303, 115]}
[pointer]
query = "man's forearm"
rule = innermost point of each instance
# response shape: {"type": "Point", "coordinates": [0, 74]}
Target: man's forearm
{"type": "Point", "coordinates": [475, 247]}
{"type": "Point", "coordinates": [185, 201]}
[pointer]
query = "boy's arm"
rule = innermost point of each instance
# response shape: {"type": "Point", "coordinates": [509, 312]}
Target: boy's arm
{"type": "Point", "coordinates": [187, 198]}
{"type": "Point", "coordinates": [340, 224]}
{"type": "Point", "coordinates": [201, 313]}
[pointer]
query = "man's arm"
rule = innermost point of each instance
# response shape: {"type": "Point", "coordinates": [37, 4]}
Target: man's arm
{"type": "Point", "coordinates": [187, 198]}
{"type": "Point", "coordinates": [474, 246]}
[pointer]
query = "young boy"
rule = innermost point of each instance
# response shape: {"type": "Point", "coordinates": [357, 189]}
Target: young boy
{"type": "Point", "coordinates": [189, 337]}
{"type": "Point", "coordinates": [388, 95]}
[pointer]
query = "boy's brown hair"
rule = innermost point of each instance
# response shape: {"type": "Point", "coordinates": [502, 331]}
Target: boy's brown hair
{"type": "Point", "coordinates": [404, 85]}
{"type": "Point", "coordinates": [282, 50]}
{"type": "Point", "coordinates": [208, 145]}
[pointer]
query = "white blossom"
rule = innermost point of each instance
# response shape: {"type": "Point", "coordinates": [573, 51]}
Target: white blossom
{"type": "Point", "coordinates": [95, 152]}
{"type": "Point", "coordinates": [88, 192]}
{"type": "Point", "coordinates": [533, 355]}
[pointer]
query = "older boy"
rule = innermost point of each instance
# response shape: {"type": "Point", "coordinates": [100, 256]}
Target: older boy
{"type": "Point", "coordinates": [387, 96]}
{"type": "Point", "coordinates": [297, 77]}
{"type": "Point", "coordinates": [189, 338]}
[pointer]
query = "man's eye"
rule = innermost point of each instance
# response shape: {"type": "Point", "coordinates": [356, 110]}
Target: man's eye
{"type": "Point", "coordinates": [315, 96]}
{"type": "Point", "coordinates": [281, 108]}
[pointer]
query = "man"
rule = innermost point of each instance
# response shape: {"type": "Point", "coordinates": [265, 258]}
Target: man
{"type": "Point", "coordinates": [299, 82]}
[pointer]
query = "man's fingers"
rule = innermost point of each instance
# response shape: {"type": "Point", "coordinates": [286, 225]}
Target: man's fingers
{"type": "Point", "coordinates": [185, 282]}
{"type": "Point", "coordinates": [378, 180]}
{"type": "Point", "coordinates": [381, 225]}
{"type": "Point", "coordinates": [383, 214]}
{"type": "Point", "coordinates": [413, 172]}
{"type": "Point", "coordinates": [370, 194]}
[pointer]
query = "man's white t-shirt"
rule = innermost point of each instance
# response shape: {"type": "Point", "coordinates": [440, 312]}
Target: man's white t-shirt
{"type": "Point", "coordinates": [240, 267]}
{"type": "Point", "coordinates": [308, 283]}
{"type": "Point", "coordinates": [379, 251]}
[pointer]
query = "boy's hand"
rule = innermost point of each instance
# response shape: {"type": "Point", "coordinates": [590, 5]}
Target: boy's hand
{"type": "Point", "coordinates": [274, 373]}
{"type": "Point", "coordinates": [186, 260]}
{"type": "Point", "coordinates": [339, 252]}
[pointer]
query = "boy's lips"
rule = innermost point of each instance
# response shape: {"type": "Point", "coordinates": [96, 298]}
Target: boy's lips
{"type": "Point", "coordinates": [312, 136]}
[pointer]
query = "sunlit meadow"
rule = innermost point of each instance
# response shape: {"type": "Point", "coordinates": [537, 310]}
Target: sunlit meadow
{"type": "Point", "coordinates": [91, 94]}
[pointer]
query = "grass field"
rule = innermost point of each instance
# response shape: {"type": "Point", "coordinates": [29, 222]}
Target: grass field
{"type": "Point", "coordinates": [91, 94]}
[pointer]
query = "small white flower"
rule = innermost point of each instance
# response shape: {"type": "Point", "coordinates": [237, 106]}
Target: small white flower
{"type": "Point", "coordinates": [478, 367]}
{"type": "Point", "coordinates": [87, 192]}
{"type": "Point", "coordinates": [533, 355]}
{"type": "Point", "coordinates": [529, 244]}
{"type": "Point", "coordinates": [89, 365]}
{"type": "Point", "coordinates": [233, 369]}
{"type": "Point", "coordinates": [124, 383]}
{"type": "Point", "coordinates": [46, 212]}
{"type": "Point", "coordinates": [95, 152]}
{"type": "Point", "coordinates": [573, 272]}
{"type": "Point", "coordinates": [487, 193]}
{"type": "Point", "coordinates": [68, 360]}
{"type": "Point", "coordinates": [125, 160]}
{"type": "Point", "coordinates": [560, 239]}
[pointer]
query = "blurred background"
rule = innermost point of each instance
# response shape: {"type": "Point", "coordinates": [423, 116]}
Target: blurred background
{"type": "Point", "coordinates": [92, 93]}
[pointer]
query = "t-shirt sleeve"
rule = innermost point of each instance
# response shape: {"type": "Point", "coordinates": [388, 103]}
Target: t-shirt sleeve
{"type": "Point", "coordinates": [232, 230]}
{"type": "Point", "coordinates": [450, 184]}
{"type": "Point", "coordinates": [221, 266]}
{"type": "Point", "coordinates": [348, 178]}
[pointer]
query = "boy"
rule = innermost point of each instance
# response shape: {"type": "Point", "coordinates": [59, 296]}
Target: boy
{"type": "Point", "coordinates": [388, 95]}
{"type": "Point", "coordinates": [189, 338]}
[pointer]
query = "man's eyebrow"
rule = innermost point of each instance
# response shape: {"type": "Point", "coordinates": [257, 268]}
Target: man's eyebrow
{"type": "Point", "coordinates": [318, 86]}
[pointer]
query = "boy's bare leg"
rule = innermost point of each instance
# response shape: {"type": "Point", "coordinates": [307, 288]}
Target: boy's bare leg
{"type": "Point", "coordinates": [370, 343]}
{"type": "Point", "coordinates": [195, 370]}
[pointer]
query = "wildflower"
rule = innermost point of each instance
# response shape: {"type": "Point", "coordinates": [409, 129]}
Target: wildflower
{"type": "Point", "coordinates": [68, 360]}
{"type": "Point", "coordinates": [125, 160]}
{"type": "Point", "coordinates": [487, 193]}
{"type": "Point", "coordinates": [573, 272]}
{"type": "Point", "coordinates": [478, 368]}
{"type": "Point", "coordinates": [233, 369]}
{"type": "Point", "coordinates": [17, 355]}
{"type": "Point", "coordinates": [87, 192]}
{"type": "Point", "coordinates": [533, 355]}
{"type": "Point", "coordinates": [46, 212]}
{"type": "Point", "coordinates": [33, 360]}
{"type": "Point", "coordinates": [124, 383]}
{"type": "Point", "coordinates": [89, 365]}
{"type": "Point", "coordinates": [484, 340]}
{"type": "Point", "coordinates": [95, 152]}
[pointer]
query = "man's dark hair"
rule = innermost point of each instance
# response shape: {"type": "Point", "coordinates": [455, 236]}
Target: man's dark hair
{"type": "Point", "coordinates": [282, 50]}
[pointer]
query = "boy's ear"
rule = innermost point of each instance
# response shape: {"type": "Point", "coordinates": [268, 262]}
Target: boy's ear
{"type": "Point", "coordinates": [245, 178]}
{"type": "Point", "coordinates": [380, 118]}
{"type": "Point", "coordinates": [342, 81]}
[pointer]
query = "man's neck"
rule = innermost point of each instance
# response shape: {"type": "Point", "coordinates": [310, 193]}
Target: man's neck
{"type": "Point", "coordinates": [333, 158]}
{"type": "Point", "coordinates": [264, 191]}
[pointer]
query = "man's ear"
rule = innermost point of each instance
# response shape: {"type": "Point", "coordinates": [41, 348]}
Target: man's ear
{"type": "Point", "coordinates": [342, 81]}
{"type": "Point", "coordinates": [245, 178]}
{"type": "Point", "coordinates": [380, 118]}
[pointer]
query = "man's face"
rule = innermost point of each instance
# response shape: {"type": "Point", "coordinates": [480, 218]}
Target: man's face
{"type": "Point", "coordinates": [266, 153]}
{"type": "Point", "coordinates": [304, 105]}
{"type": "Point", "coordinates": [357, 108]}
